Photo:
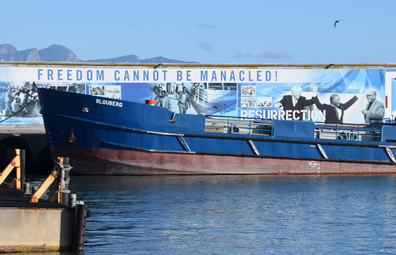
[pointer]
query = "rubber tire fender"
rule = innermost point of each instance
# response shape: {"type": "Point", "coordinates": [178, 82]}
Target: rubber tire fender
{"type": "Point", "coordinates": [8, 146]}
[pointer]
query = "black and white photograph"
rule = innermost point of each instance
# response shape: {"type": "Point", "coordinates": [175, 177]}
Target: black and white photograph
{"type": "Point", "coordinates": [72, 87]}
{"type": "Point", "coordinates": [97, 90]}
{"type": "Point", "coordinates": [248, 102]}
{"type": "Point", "coordinates": [113, 92]}
{"type": "Point", "coordinates": [248, 90]}
{"type": "Point", "coordinates": [19, 98]}
{"type": "Point", "coordinates": [196, 98]}
{"type": "Point", "coordinates": [222, 86]}
{"type": "Point", "coordinates": [264, 101]}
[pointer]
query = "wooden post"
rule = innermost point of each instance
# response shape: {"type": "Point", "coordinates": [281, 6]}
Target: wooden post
{"type": "Point", "coordinates": [44, 186]}
{"type": "Point", "coordinates": [22, 168]}
{"type": "Point", "coordinates": [60, 177]}
{"type": "Point", "coordinates": [16, 162]}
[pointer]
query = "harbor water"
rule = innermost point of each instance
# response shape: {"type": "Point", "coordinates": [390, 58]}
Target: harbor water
{"type": "Point", "coordinates": [354, 214]}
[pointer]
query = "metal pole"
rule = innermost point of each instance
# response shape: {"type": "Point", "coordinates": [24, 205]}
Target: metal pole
{"type": "Point", "coordinates": [63, 182]}
{"type": "Point", "coordinates": [11, 123]}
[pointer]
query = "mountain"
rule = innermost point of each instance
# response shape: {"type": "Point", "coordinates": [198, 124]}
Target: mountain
{"type": "Point", "coordinates": [124, 59]}
{"type": "Point", "coordinates": [30, 55]}
{"type": "Point", "coordinates": [9, 53]}
{"type": "Point", "coordinates": [162, 60]}
{"type": "Point", "coordinates": [59, 53]}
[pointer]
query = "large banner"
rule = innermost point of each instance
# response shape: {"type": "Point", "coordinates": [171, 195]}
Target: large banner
{"type": "Point", "coordinates": [331, 96]}
{"type": "Point", "coordinates": [320, 95]}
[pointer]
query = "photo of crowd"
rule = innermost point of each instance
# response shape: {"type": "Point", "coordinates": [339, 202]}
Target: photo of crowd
{"type": "Point", "coordinates": [20, 99]}
{"type": "Point", "coordinates": [196, 98]}
{"type": "Point", "coordinates": [264, 101]}
{"type": "Point", "coordinates": [248, 102]}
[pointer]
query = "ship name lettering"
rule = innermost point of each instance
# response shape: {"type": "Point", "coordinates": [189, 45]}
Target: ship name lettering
{"type": "Point", "coordinates": [109, 102]}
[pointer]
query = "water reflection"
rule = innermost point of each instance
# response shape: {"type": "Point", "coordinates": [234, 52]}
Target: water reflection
{"type": "Point", "coordinates": [238, 214]}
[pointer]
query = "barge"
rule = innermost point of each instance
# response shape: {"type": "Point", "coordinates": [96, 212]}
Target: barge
{"type": "Point", "coordinates": [33, 224]}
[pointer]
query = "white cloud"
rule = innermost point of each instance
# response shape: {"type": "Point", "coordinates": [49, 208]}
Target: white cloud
{"type": "Point", "coordinates": [205, 46]}
{"type": "Point", "coordinates": [266, 54]}
{"type": "Point", "coordinates": [131, 25]}
{"type": "Point", "coordinates": [206, 26]}
{"type": "Point", "coordinates": [246, 55]}
{"type": "Point", "coordinates": [269, 54]}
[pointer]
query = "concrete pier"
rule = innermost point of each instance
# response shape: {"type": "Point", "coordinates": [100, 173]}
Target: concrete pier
{"type": "Point", "coordinates": [41, 226]}
{"type": "Point", "coordinates": [31, 224]}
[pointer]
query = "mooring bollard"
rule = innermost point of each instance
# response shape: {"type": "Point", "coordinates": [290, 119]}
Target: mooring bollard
{"type": "Point", "coordinates": [26, 188]}
{"type": "Point", "coordinates": [73, 200]}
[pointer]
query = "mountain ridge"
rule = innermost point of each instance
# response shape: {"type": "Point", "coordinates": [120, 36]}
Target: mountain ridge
{"type": "Point", "coordinates": [60, 53]}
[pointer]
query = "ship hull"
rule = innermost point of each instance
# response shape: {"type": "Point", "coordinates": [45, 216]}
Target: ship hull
{"type": "Point", "coordinates": [89, 161]}
{"type": "Point", "coordinates": [114, 137]}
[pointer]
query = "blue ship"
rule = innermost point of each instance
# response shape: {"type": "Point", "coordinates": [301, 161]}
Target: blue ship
{"type": "Point", "coordinates": [104, 136]}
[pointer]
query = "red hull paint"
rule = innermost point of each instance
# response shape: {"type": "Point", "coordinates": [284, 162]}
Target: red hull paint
{"type": "Point", "coordinates": [133, 162]}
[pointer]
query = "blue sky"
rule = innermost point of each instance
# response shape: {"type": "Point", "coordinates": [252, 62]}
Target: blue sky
{"type": "Point", "coordinates": [208, 31]}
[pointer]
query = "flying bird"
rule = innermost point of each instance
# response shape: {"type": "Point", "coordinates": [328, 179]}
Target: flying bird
{"type": "Point", "coordinates": [159, 65]}
{"type": "Point", "coordinates": [335, 23]}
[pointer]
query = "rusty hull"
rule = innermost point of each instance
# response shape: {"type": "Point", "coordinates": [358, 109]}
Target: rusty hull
{"type": "Point", "coordinates": [144, 162]}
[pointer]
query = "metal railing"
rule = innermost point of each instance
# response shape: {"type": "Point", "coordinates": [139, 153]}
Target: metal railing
{"type": "Point", "coordinates": [8, 120]}
{"type": "Point", "coordinates": [242, 125]}
{"type": "Point", "coordinates": [351, 132]}
{"type": "Point", "coordinates": [265, 127]}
